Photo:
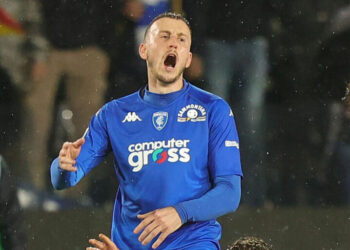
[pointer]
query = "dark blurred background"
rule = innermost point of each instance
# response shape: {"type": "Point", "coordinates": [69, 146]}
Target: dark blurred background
{"type": "Point", "coordinates": [283, 66]}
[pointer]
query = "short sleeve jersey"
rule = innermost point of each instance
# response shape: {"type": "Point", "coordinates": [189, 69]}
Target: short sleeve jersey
{"type": "Point", "coordinates": [163, 155]}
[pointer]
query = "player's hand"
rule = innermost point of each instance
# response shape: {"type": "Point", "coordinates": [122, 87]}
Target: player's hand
{"type": "Point", "coordinates": [161, 221]}
{"type": "Point", "coordinates": [69, 152]}
{"type": "Point", "coordinates": [105, 244]}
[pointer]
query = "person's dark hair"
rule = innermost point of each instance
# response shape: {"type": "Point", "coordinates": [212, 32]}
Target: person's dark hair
{"type": "Point", "coordinates": [171, 15]}
{"type": "Point", "coordinates": [249, 243]}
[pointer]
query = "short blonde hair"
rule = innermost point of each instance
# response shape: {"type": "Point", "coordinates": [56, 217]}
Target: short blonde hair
{"type": "Point", "coordinates": [171, 15]}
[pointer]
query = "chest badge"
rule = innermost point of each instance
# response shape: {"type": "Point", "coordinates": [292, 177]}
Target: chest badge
{"type": "Point", "coordinates": [159, 120]}
{"type": "Point", "coordinates": [192, 113]}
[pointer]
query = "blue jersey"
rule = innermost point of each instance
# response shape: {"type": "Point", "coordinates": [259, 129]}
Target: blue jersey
{"type": "Point", "coordinates": [164, 154]}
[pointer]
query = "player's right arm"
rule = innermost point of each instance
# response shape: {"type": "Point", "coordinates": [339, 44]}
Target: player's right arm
{"type": "Point", "coordinates": [77, 158]}
{"type": "Point", "coordinates": [69, 153]}
{"type": "Point", "coordinates": [64, 171]}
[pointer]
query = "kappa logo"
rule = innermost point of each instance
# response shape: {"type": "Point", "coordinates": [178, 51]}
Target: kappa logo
{"type": "Point", "coordinates": [231, 113]}
{"type": "Point", "coordinates": [131, 117]}
{"type": "Point", "coordinates": [159, 120]}
{"type": "Point", "coordinates": [193, 113]}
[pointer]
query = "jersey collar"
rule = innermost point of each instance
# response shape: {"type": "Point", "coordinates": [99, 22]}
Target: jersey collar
{"type": "Point", "coordinates": [162, 100]}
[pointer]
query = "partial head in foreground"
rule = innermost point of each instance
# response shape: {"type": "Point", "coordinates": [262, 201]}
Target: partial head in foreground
{"type": "Point", "coordinates": [166, 48]}
{"type": "Point", "coordinates": [249, 243]}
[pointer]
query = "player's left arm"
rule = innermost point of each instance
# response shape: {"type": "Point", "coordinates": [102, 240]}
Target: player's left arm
{"type": "Point", "coordinates": [224, 197]}
{"type": "Point", "coordinates": [224, 167]}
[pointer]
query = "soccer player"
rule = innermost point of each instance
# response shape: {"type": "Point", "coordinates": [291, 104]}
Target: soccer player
{"type": "Point", "coordinates": [176, 152]}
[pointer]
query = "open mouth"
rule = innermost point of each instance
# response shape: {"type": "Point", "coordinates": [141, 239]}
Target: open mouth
{"type": "Point", "coordinates": [170, 61]}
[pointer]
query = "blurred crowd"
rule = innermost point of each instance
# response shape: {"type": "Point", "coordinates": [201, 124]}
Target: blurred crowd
{"type": "Point", "coordinates": [281, 65]}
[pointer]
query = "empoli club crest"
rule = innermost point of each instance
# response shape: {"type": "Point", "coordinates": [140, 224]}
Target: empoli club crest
{"type": "Point", "coordinates": [159, 120]}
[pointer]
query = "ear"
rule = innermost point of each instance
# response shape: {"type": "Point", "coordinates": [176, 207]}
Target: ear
{"type": "Point", "coordinates": [143, 51]}
{"type": "Point", "coordinates": [189, 60]}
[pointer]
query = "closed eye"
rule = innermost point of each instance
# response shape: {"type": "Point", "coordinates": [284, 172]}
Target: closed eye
{"type": "Point", "coordinates": [164, 35]}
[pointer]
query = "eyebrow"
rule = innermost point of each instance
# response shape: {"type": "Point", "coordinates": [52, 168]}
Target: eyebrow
{"type": "Point", "coordinates": [168, 32]}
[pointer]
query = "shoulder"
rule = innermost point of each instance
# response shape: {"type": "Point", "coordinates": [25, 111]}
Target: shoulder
{"type": "Point", "coordinates": [211, 101]}
{"type": "Point", "coordinates": [117, 106]}
{"type": "Point", "coordinates": [127, 99]}
{"type": "Point", "coordinates": [122, 102]}
{"type": "Point", "coordinates": [202, 96]}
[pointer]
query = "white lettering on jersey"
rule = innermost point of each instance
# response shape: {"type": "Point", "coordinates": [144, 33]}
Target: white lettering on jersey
{"type": "Point", "coordinates": [131, 117]}
{"type": "Point", "coordinates": [232, 144]}
{"type": "Point", "coordinates": [193, 113]}
{"type": "Point", "coordinates": [159, 152]}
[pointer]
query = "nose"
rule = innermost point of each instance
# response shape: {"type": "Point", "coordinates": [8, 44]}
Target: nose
{"type": "Point", "coordinates": [173, 42]}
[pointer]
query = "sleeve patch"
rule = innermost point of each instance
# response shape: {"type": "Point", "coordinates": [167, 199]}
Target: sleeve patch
{"type": "Point", "coordinates": [231, 144]}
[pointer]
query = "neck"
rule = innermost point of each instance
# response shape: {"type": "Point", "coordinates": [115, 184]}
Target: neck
{"type": "Point", "coordinates": [160, 87]}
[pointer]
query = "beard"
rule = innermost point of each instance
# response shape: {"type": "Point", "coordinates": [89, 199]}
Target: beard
{"type": "Point", "coordinates": [167, 78]}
